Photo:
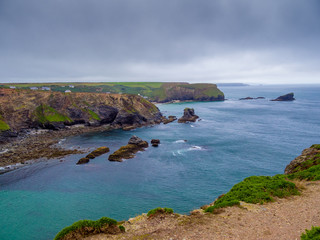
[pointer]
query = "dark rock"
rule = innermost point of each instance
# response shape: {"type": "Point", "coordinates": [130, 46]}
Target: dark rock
{"type": "Point", "coordinates": [247, 98]}
{"type": "Point", "coordinates": [188, 116]}
{"type": "Point", "coordinates": [107, 114]}
{"type": "Point", "coordinates": [83, 160]}
{"type": "Point", "coordinates": [134, 145]}
{"type": "Point", "coordinates": [129, 128]}
{"type": "Point", "coordinates": [169, 119]}
{"type": "Point", "coordinates": [260, 98]}
{"type": "Point", "coordinates": [287, 97]}
{"type": "Point", "coordinates": [155, 142]}
{"type": "Point", "coordinates": [98, 152]}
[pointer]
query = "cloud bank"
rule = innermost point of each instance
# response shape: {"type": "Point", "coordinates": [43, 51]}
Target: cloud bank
{"type": "Point", "coordinates": [169, 40]}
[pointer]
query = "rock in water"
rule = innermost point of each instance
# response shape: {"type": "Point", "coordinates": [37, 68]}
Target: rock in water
{"type": "Point", "coordinates": [155, 142]}
{"type": "Point", "coordinates": [287, 97]}
{"type": "Point", "coordinates": [168, 120]}
{"type": "Point", "coordinates": [134, 145]}
{"type": "Point", "coordinates": [188, 116]}
{"type": "Point", "coordinates": [83, 160]}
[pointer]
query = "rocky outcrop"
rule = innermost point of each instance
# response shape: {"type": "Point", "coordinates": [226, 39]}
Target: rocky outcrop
{"type": "Point", "coordinates": [309, 157]}
{"type": "Point", "coordinates": [96, 153]}
{"type": "Point", "coordinates": [155, 142]}
{"type": "Point", "coordinates": [134, 145]}
{"type": "Point", "coordinates": [188, 116]}
{"type": "Point", "coordinates": [251, 98]}
{"type": "Point", "coordinates": [23, 109]}
{"type": "Point", "coordinates": [187, 92]}
{"type": "Point", "coordinates": [83, 160]}
{"type": "Point", "coordinates": [287, 97]}
{"type": "Point", "coordinates": [170, 119]}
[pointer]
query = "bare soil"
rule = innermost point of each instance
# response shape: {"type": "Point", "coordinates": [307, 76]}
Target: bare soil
{"type": "Point", "coordinates": [284, 219]}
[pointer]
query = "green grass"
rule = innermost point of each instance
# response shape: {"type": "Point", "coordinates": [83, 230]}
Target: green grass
{"type": "Point", "coordinates": [93, 114]}
{"type": "Point", "coordinates": [256, 189]}
{"type": "Point", "coordinates": [45, 114]}
{"type": "Point", "coordinates": [4, 126]}
{"type": "Point", "coordinates": [310, 174]}
{"type": "Point", "coordinates": [313, 234]}
{"type": "Point", "coordinates": [86, 223]}
{"type": "Point", "coordinates": [316, 146]}
{"type": "Point", "coordinates": [160, 210]}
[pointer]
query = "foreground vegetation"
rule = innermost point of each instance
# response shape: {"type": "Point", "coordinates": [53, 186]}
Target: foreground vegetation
{"type": "Point", "coordinates": [313, 234]}
{"type": "Point", "coordinates": [98, 226]}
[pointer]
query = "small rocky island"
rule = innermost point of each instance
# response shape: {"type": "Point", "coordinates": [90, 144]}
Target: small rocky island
{"type": "Point", "coordinates": [96, 153]}
{"type": "Point", "coordinates": [134, 145]}
{"type": "Point", "coordinates": [251, 98]}
{"type": "Point", "coordinates": [188, 116]}
{"type": "Point", "coordinates": [286, 97]}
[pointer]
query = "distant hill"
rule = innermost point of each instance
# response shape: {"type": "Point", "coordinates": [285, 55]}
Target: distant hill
{"type": "Point", "coordinates": [232, 84]}
{"type": "Point", "coordinates": [153, 91]}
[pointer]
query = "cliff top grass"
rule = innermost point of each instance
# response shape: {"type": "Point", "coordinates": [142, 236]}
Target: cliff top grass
{"type": "Point", "coordinates": [96, 225]}
{"type": "Point", "coordinates": [3, 125]}
{"type": "Point", "coordinates": [159, 210]}
{"type": "Point", "coordinates": [256, 189]}
{"type": "Point", "coordinates": [45, 114]}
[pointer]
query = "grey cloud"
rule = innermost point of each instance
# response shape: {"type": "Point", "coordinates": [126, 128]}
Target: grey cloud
{"type": "Point", "coordinates": [80, 38]}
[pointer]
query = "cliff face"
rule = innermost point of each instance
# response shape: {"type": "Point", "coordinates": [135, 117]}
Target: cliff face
{"type": "Point", "coordinates": [24, 109]}
{"type": "Point", "coordinates": [197, 92]}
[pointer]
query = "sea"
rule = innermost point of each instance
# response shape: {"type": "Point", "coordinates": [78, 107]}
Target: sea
{"type": "Point", "coordinates": [193, 165]}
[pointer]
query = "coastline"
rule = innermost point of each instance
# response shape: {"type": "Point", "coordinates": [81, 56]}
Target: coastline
{"type": "Point", "coordinates": [43, 145]}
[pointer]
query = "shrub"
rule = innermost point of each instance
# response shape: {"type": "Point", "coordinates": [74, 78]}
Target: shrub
{"type": "Point", "coordinates": [122, 228]}
{"type": "Point", "coordinates": [313, 234]}
{"type": "Point", "coordinates": [85, 223]}
{"type": "Point", "coordinates": [310, 174]}
{"type": "Point", "coordinates": [160, 210]}
{"type": "Point", "coordinates": [256, 189]}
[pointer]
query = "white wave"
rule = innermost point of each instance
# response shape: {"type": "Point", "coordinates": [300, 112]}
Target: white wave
{"type": "Point", "coordinates": [61, 141]}
{"type": "Point", "coordinates": [191, 125]}
{"type": "Point", "coordinates": [180, 141]}
{"type": "Point", "coordinates": [4, 151]}
{"type": "Point", "coordinates": [195, 148]}
{"type": "Point", "coordinates": [174, 154]}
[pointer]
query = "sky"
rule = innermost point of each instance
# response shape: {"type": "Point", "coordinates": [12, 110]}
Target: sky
{"type": "Point", "coordinates": [214, 41]}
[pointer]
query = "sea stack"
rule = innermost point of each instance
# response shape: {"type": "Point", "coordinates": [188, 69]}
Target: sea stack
{"type": "Point", "coordinates": [188, 116]}
{"type": "Point", "coordinates": [287, 97]}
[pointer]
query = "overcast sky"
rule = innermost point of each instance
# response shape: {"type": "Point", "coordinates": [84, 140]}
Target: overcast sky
{"type": "Point", "coordinates": [249, 41]}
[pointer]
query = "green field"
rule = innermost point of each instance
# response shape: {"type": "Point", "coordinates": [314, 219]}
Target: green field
{"type": "Point", "coordinates": [153, 91]}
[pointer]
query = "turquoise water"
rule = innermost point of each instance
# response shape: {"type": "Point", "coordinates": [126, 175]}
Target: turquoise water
{"type": "Point", "coordinates": [233, 140]}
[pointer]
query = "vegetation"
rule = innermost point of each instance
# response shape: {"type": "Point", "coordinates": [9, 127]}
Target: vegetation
{"type": "Point", "coordinates": [122, 228]}
{"type": "Point", "coordinates": [96, 225]}
{"type": "Point", "coordinates": [310, 174]}
{"type": "Point", "coordinates": [316, 146]}
{"type": "Point", "coordinates": [3, 125]}
{"type": "Point", "coordinates": [153, 91]}
{"type": "Point", "coordinates": [160, 210]}
{"type": "Point", "coordinates": [313, 234]}
{"type": "Point", "coordinates": [256, 189]}
{"type": "Point", "coordinates": [93, 115]}
{"type": "Point", "coordinates": [46, 114]}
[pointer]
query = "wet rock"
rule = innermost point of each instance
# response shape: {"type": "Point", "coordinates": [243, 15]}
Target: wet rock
{"type": "Point", "coordinates": [251, 98]}
{"type": "Point", "coordinates": [83, 160]}
{"type": "Point", "coordinates": [98, 152]}
{"type": "Point", "coordinates": [134, 145]}
{"type": "Point", "coordinates": [188, 116]}
{"type": "Point", "coordinates": [155, 142]}
{"type": "Point", "coordinates": [287, 97]}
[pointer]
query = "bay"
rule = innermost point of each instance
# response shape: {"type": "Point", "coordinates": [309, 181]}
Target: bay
{"type": "Point", "coordinates": [233, 140]}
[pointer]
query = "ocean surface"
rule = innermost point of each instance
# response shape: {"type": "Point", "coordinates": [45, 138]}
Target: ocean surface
{"type": "Point", "coordinates": [234, 139]}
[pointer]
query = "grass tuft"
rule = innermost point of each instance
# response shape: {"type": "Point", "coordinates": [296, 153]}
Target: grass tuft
{"type": "Point", "coordinates": [160, 210]}
{"type": "Point", "coordinates": [313, 234]}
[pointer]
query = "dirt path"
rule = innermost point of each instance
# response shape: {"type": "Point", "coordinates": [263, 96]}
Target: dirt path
{"type": "Point", "coordinates": [284, 219]}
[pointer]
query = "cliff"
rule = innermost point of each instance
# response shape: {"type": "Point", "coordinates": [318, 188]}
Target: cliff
{"type": "Point", "coordinates": [25, 109]}
{"type": "Point", "coordinates": [153, 91]}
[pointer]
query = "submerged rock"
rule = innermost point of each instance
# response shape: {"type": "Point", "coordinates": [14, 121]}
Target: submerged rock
{"type": "Point", "coordinates": [155, 142]}
{"type": "Point", "coordinates": [188, 116]}
{"type": "Point", "coordinates": [83, 160]}
{"type": "Point", "coordinates": [98, 152]}
{"type": "Point", "coordinates": [251, 98]}
{"type": "Point", "coordinates": [287, 97]}
{"type": "Point", "coordinates": [169, 119]}
{"type": "Point", "coordinates": [134, 145]}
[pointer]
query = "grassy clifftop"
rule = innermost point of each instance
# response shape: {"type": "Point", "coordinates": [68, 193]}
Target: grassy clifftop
{"type": "Point", "coordinates": [153, 91]}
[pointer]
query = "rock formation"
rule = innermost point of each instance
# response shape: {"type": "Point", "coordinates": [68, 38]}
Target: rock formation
{"type": "Point", "coordinates": [287, 97]}
{"type": "Point", "coordinates": [308, 158]}
{"type": "Point", "coordinates": [134, 145]}
{"type": "Point", "coordinates": [251, 98]}
{"type": "Point", "coordinates": [96, 153]}
{"type": "Point", "coordinates": [188, 116]}
{"type": "Point", "coordinates": [168, 120]}
{"type": "Point", "coordinates": [21, 110]}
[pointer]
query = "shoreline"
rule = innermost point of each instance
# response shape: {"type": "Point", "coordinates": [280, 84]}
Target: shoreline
{"type": "Point", "coordinates": [43, 145]}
